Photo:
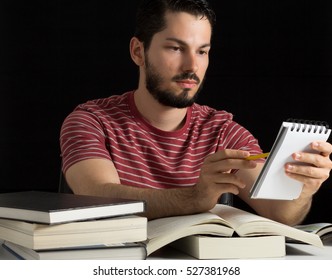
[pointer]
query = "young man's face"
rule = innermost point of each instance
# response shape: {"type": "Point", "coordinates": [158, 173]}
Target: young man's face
{"type": "Point", "coordinates": [177, 59]}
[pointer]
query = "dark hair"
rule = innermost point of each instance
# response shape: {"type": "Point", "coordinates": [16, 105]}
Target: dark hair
{"type": "Point", "coordinates": [150, 17]}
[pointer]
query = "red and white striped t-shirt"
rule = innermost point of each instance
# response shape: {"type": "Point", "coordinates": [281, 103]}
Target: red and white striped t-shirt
{"type": "Point", "coordinates": [144, 156]}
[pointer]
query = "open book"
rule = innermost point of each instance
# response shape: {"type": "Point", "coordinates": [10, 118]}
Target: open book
{"type": "Point", "coordinates": [224, 221]}
{"type": "Point", "coordinates": [323, 230]}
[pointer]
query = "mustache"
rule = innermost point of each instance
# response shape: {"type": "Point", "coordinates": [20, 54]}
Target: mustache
{"type": "Point", "coordinates": [186, 76]}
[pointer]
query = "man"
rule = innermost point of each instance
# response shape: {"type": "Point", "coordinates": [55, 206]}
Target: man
{"type": "Point", "coordinates": [155, 143]}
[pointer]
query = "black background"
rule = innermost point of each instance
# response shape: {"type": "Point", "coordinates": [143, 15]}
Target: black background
{"type": "Point", "coordinates": [270, 60]}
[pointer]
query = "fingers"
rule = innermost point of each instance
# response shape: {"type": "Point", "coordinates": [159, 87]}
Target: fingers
{"type": "Point", "coordinates": [225, 166]}
{"type": "Point", "coordinates": [320, 159]}
{"type": "Point", "coordinates": [316, 169]}
{"type": "Point", "coordinates": [227, 160]}
{"type": "Point", "coordinates": [302, 172]}
{"type": "Point", "coordinates": [324, 148]}
{"type": "Point", "coordinates": [230, 182]}
{"type": "Point", "coordinates": [216, 176]}
{"type": "Point", "coordinates": [215, 183]}
{"type": "Point", "coordinates": [317, 165]}
{"type": "Point", "coordinates": [228, 154]}
{"type": "Point", "coordinates": [311, 177]}
{"type": "Point", "coordinates": [210, 188]}
{"type": "Point", "coordinates": [217, 168]}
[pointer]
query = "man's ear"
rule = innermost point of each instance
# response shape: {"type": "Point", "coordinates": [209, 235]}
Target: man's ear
{"type": "Point", "coordinates": [137, 51]}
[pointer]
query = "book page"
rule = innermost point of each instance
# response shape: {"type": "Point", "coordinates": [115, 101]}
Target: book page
{"type": "Point", "coordinates": [237, 217]}
{"type": "Point", "coordinates": [318, 228]}
{"type": "Point", "coordinates": [248, 224]}
{"type": "Point", "coordinates": [180, 223]}
{"type": "Point", "coordinates": [166, 230]}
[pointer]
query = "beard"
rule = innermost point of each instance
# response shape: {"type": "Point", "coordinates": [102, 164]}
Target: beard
{"type": "Point", "coordinates": [166, 97]}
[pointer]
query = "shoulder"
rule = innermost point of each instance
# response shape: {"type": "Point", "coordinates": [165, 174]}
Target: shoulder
{"type": "Point", "coordinates": [112, 102]}
{"type": "Point", "coordinates": [231, 133]}
{"type": "Point", "coordinates": [102, 107]}
{"type": "Point", "coordinates": [98, 112]}
{"type": "Point", "coordinates": [205, 114]}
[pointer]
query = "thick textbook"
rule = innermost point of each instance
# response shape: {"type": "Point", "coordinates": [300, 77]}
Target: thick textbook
{"type": "Point", "coordinates": [121, 251]}
{"type": "Point", "coordinates": [35, 236]}
{"type": "Point", "coordinates": [293, 136]}
{"type": "Point", "coordinates": [52, 208]}
{"type": "Point", "coordinates": [323, 230]}
{"type": "Point", "coordinates": [222, 220]}
{"type": "Point", "coordinates": [217, 247]}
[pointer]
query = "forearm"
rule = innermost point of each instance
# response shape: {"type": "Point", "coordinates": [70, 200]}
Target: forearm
{"type": "Point", "coordinates": [160, 202]}
{"type": "Point", "coordinates": [312, 174]}
{"type": "Point", "coordinates": [287, 212]}
{"type": "Point", "coordinates": [99, 177]}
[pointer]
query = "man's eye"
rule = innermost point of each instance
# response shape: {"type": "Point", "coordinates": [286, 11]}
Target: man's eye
{"type": "Point", "coordinates": [203, 52]}
{"type": "Point", "coordinates": [176, 49]}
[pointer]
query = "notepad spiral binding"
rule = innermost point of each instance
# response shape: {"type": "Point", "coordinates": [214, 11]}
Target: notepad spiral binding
{"type": "Point", "coordinates": [309, 125]}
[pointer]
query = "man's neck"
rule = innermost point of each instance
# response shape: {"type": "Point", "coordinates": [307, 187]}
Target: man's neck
{"type": "Point", "coordinates": [162, 117]}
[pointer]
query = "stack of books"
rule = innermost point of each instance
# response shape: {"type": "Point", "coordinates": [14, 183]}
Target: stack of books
{"type": "Point", "coordinates": [39, 225]}
{"type": "Point", "coordinates": [56, 226]}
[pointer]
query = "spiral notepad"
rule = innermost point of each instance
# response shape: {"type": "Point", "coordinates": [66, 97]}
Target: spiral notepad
{"type": "Point", "coordinates": [293, 136]}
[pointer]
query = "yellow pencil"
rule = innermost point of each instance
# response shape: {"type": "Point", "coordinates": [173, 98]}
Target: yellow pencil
{"type": "Point", "coordinates": [257, 156]}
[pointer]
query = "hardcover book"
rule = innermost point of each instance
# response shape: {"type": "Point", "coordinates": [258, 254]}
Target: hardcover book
{"type": "Point", "coordinates": [52, 208]}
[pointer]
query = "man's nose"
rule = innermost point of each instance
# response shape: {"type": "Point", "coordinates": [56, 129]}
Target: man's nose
{"type": "Point", "coordinates": [190, 63]}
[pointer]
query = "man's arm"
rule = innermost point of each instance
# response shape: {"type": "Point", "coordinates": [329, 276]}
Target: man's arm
{"type": "Point", "coordinates": [99, 177]}
{"type": "Point", "coordinates": [284, 211]}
